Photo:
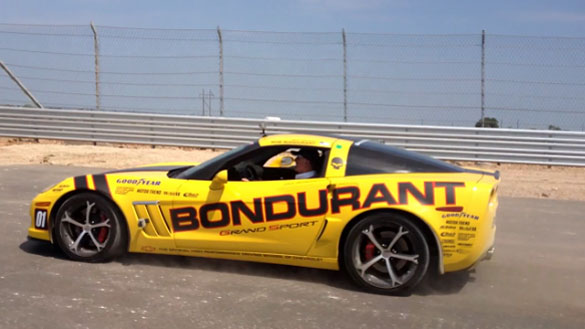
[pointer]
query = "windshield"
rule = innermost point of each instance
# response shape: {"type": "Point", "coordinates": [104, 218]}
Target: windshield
{"type": "Point", "coordinates": [207, 169]}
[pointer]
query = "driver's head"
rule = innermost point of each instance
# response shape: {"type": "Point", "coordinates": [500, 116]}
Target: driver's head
{"type": "Point", "coordinates": [306, 160]}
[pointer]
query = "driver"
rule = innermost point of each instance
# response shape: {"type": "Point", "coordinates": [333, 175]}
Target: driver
{"type": "Point", "coordinates": [307, 162]}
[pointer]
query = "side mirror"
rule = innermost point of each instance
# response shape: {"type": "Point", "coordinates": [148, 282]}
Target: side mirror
{"type": "Point", "coordinates": [219, 180]}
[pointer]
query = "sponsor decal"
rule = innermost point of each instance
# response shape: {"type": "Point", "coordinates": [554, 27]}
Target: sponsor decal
{"type": "Point", "coordinates": [460, 215]}
{"type": "Point", "coordinates": [449, 190]}
{"type": "Point", "coordinates": [337, 163]}
{"type": "Point", "coordinates": [158, 192]}
{"type": "Point", "coordinates": [138, 181]}
{"type": "Point", "coordinates": [270, 228]}
{"type": "Point", "coordinates": [147, 191]}
{"type": "Point", "coordinates": [465, 237]}
{"type": "Point", "coordinates": [122, 190]}
{"type": "Point", "coordinates": [148, 248]}
{"type": "Point", "coordinates": [306, 142]}
{"type": "Point", "coordinates": [288, 206]}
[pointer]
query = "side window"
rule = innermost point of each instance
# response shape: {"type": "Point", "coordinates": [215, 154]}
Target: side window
{"type": "Point", "coordinates": [374, 158]}
{"type": "Point", "coordinates": [280, 163]}
{"type": "Point", "coordinates": [362, 161]}
{"type": "Point", "coordinates": [309, 162]}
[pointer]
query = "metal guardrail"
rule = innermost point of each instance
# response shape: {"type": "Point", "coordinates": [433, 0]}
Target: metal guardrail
{"type": "Point", "coordinates": [545, 147]}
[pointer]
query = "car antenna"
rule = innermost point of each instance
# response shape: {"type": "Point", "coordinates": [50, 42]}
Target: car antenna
{"type": "Point", "coordinates": [263, 128]}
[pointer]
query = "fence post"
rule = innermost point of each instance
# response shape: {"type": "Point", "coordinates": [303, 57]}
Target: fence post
{"type": "Point", "coordinates": [344, 76]}
{"type": "Point", "coordinates": [210, 96]}
{"type": "Point", "coordinates": [202, 101]}
{"type": "Point", "coordinates": [21, 86]}
{"type": "Point", "coordinates": [220, 71]}
{"type": "Point", "coordinates": [96, 48]}
{"type": "Point", "coordinates": [483, 78]}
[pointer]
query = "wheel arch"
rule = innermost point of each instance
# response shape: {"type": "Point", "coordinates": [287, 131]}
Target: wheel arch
{"type": "Point", "coordinates": [69, 194]}
{"type": "Point", "coordinates": [431, 237]}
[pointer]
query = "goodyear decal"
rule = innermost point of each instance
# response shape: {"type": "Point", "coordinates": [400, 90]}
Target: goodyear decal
{"type": "Point", "coordinates": [138, 181]}
{"type": "Point", "coordinates": [460, 215]}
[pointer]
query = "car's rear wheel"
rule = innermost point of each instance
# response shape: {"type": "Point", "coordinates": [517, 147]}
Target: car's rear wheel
{"type": "Point", "coordinates": [386, 253]}
{"type": "Point", "coordinates": [89, 228]}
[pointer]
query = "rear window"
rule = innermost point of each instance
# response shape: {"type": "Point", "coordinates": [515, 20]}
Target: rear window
{"type": "Point", "coordinates": [368, 157]}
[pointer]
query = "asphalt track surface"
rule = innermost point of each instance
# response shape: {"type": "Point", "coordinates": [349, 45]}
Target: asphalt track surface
{"type": "Point", "coordinates": [535, 280]}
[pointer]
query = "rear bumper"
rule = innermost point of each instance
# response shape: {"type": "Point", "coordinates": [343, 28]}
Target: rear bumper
{"type": "Point", "coordinates": [489, 253]}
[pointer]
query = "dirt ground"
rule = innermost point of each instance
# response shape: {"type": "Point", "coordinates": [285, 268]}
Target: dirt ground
{"type": "Point", "coordinates": [560, 183]}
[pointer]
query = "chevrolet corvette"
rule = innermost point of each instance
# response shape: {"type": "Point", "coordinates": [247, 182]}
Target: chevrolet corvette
{"type": "Point", "coordinates": [384, 215]}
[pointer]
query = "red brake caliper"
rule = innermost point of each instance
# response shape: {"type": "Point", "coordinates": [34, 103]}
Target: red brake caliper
{"type": "Point", "coordinates": [369, 251]}
{"type": "Point", "coordinates": [103, 231]}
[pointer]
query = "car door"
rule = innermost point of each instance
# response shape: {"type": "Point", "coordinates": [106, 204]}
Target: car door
{"type": "Point", "coordinates": [279, 216]}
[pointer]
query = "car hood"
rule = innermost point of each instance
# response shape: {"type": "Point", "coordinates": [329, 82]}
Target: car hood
{"type": "Point", "coordinates": [157, 167]}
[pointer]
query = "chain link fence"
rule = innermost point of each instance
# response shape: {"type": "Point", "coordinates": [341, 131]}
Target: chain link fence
{"type": "Point", "coordinates": [446, 80]}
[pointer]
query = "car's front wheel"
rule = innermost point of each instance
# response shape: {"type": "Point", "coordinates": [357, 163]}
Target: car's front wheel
{"type": "Point", "coordinates": [89, 228]}
{"type": "Point", "coordinates": [386, 253]}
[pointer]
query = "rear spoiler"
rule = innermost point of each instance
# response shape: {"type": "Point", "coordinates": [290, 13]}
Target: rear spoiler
{"type": "Point", "coordinates": [496, 173]}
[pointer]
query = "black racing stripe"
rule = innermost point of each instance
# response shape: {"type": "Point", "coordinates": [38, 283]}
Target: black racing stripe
{"type": "Point", "coordinates": [101, 184]}
{"type": "Point", "coordinates": [157, 168]}
{"type": "Point", "coordinates": [80, 182]}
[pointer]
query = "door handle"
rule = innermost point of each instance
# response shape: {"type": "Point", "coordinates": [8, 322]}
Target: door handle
{"type": "Point", "coordinates": [330, 188]}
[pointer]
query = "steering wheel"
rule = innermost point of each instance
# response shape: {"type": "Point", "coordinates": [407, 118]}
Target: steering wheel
{"type": "Point", "coordinates": [252, 172]}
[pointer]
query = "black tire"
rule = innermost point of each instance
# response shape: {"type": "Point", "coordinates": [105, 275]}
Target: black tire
{"type": "Point", "coordinates": [399, 246]}
{"type": "Point", "coordinates": [89, 228]}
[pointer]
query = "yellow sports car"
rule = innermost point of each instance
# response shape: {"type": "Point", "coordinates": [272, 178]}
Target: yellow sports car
{"type": "Point", "coordinates": [384, 215]}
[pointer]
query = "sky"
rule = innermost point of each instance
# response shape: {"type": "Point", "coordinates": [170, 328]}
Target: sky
{"type": "Point", "coordinates": [517, 17]}
{"type": "Point", "coordinates": [409, 61]}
